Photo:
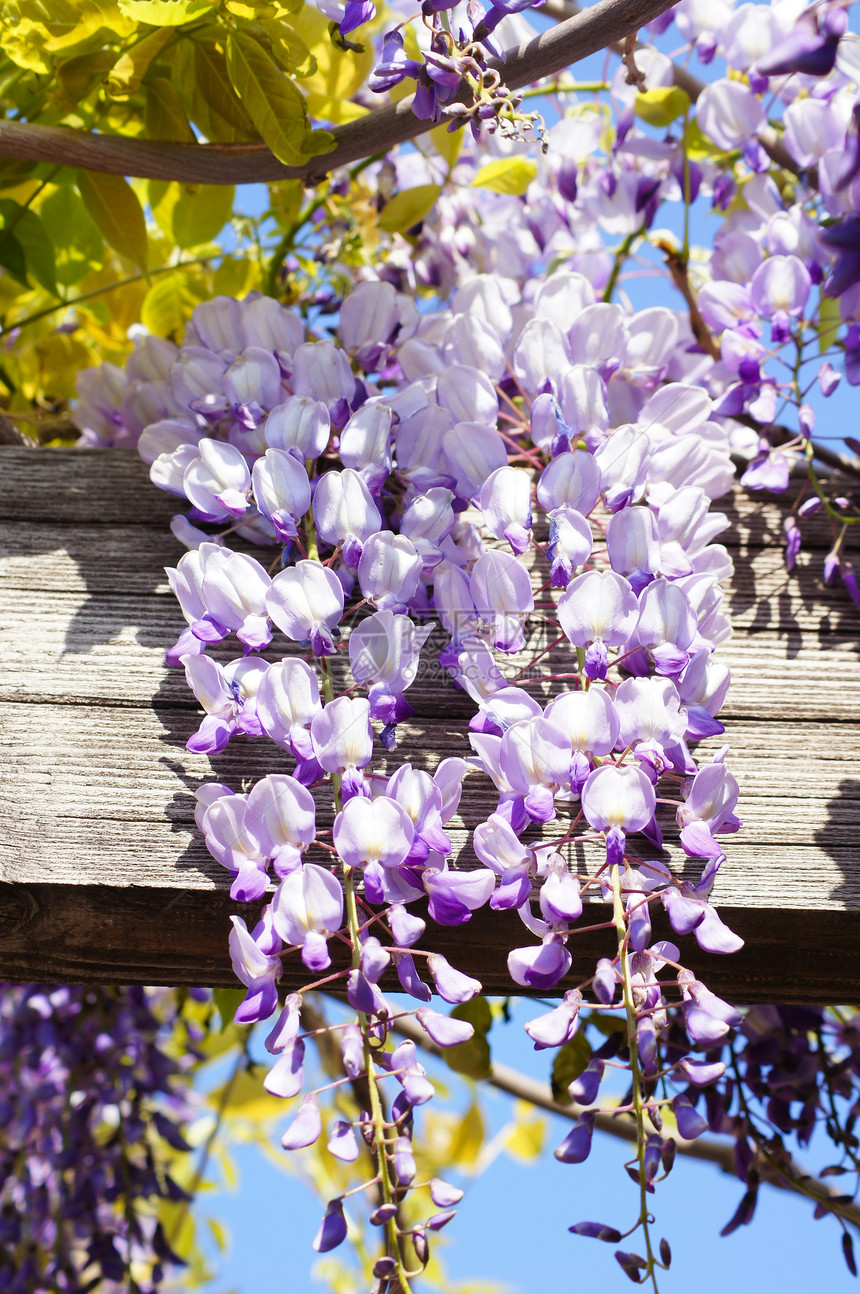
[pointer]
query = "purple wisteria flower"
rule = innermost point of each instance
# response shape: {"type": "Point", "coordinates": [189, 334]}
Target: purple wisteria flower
{"type": "Point", "coordinates": [306, 603]}
{"type": "Point", "coordinates": [616, 801]}
{"type": "Point", "coordinates": [596, 611]}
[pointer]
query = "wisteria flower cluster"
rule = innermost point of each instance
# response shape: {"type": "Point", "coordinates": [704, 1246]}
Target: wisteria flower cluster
{"type": "Point", "coordinates": [89, 1096]}
{"type": "Point", "coordinates": [472, 466]}
{"type": "Point", "coordinates": [771, 147]}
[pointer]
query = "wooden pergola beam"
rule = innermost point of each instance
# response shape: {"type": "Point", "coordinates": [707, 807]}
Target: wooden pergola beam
{"type": "Point", "coordinates": [103, 876]}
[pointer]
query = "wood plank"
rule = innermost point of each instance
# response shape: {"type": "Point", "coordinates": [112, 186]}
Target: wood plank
{"type": "Point", "coordinates": [103, 875]}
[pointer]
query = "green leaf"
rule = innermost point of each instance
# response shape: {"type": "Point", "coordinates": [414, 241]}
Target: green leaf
{"type": "Point", "coordinates": [13, 171]}
{"type": "Point", "coordinates": [216, 1045]}
{"type": "Point", "coordinates": [78, 77]}
{"type": "Point", "coordinates": [698, 145]}
{"type": "Point", "coordinates": [190, 214]}
{"type": "Point", "coordinates": [506, 175]}
{"type": "Point", "coordinates": [117, 214]}
{"type": "Point", "coordinates": [163, 114]}
{"type": "Point", "coordinates": [468, 1139]}
{"type": "Point", "coordinates": [127, 72]}
{"type": "Point", "coordinates": [447, 143]}
{"type": "Point", "coordinates": [246, 1097]}
{"type": "Point", "coordinates": [662, 105]}
{"type": "Point", "coordinates": [289, 48]}
{"type": "Point", "coordinates": [339, 74]}
{"type": "Point", "coordinates": [273, 103]}
{"type": "Point", "coordinates": [12, 258]}
{"type": "Point", "coordinates": [227, 1001]}
{"type": "Point", "coordinates": [223, 117]}
{"type": "Point", "coordinates": [220, 1234]}
{"type": "Point", "coordinates": [473, 1057]}
{"type": "Point", "coordinates": [33, 240]}
{"type": "Point", "coordinates": [235, 277]}
{"type": "Point", "coordinates": [165, 13]}
{"type": "Point", "coordinates": [526, 1137]}
{"type": "Point", "coordinates": [408, 208]}
{"type": "Point", "coordinates": [317, 143]}
{"type": "Point", "coordinates": [608, 1024]}
{"type": "Point", "coordinates": [569, 1062]}
{"type": "Point", "coordinates": [78, 246]}
{"type": "Point", "coordinates": [829, 322]}
{"type": "Point", "coordinates": [168, 304]}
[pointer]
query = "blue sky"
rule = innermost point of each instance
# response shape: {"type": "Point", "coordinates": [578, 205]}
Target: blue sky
{"type": "Point", "coordinates": [512, 1224]}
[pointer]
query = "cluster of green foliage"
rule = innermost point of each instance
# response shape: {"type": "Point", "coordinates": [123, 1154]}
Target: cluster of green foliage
{"type": "Point", "coordinates": [109, 252]}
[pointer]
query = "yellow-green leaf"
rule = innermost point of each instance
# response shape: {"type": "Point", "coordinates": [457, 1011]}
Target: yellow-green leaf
{"type": "Point", "coordinates": [339, 73]}
{"type": "Point", "coordinates": [128, 72]}
{"type": "Point", "coordinates": [447, 143]}
{"type": "Point", "coordinates": [662, 105]}
{"type": "Point", "coordinates": [165, 13]}
{"type": "Point", "coordinates": [247, 11]}
{"type": "Point", "coordinates": [77, 77]}
{"type": "Point", "coordinates": [78, 246]}
{"type": "Point", "coordinates": [316, 143]}
{"type": "Point", "coordinates": [235, 277]}
{"type": "Point", "coordinates": [273, 103]}
{"type": "Point", "coordinates": [473, 1057]}
{"type": "Point", "coordinates": [220, 1234]}
{"type": "Point", "coordinates": [227, 1001]}
{"type": "Point", "coordinates": [698, 145]}
{"type": "Point", "coordinates": [35, 30]}
{"type": "Point", "coordinates": [168, 304]}
{"type": "Point", "coordinates": [163, 114]}
{"type": "Point", "coordinates": [337, 111]}
{"type": "Point", "coordinates": [178, 1223]}
{"type": "Point", "coordinates": [32, 238]}
{"type": "Point", "coordinates": [220, 114]}
{"type": "Point", "coordinates": [116, 213]}
{"type": "Point", "coordinates": [190, 214]}
{"type": "Point", "coordinates": [829, 322]}
{"type": "Point", "coordinates": [507, 175]}
{"type": "Point", "coordinates": [247, 1097]}
{"type": "Point", "coordinates": [468, 1139]}
{"type": "Point", "coordinates": [13, 171]}
{"type": "Point", "coordinates": [408, 208]}
{"type": "Point", "coordinates": [608, 1024]}
{"type": "Point", "coordinates": [289, 48]}
{"type": "Point", "coordinates": [525, 1140]}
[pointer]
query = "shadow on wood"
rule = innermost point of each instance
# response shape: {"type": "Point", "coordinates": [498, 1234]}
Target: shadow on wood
{"type": "Point", "coordinates": [105, 878]}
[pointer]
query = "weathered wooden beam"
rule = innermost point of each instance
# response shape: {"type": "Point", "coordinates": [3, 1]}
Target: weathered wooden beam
{"type": "Point", "coordinates": [104, 878]}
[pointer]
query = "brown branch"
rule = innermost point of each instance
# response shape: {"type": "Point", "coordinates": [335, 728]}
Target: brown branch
{"type": "Point", "coordinates": [677, 267]}
{"type": "Point", "coordinates": [584, 33]}
{"type": "Point", "coordinates": [693, 87]}
{"type": "Point", "coordinates": [513, 1083]}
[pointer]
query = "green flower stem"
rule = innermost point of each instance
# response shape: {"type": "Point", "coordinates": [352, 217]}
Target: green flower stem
{"type": "Point", "coordinates": [354, 926]}
{"type": "Point", "coordinates": [620, 257]}
{"type": "Point", "coordinates": [685, 251]}
{"type": "Point", "coordinates": [566, 87]}
{"type": "Point", "coordinates": [99, 292]}
{"type": "Point", "coordinates": [638, 1105]}
{"type": "Point", "coordinates": [377, 1113]}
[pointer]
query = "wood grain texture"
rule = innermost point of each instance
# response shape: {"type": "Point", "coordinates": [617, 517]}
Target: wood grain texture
{"type": "Point", "coordinates": [102, 875]}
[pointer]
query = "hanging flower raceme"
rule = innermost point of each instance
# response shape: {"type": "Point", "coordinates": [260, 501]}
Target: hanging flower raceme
{"type": "Point", "coordinates": [421, 507]}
